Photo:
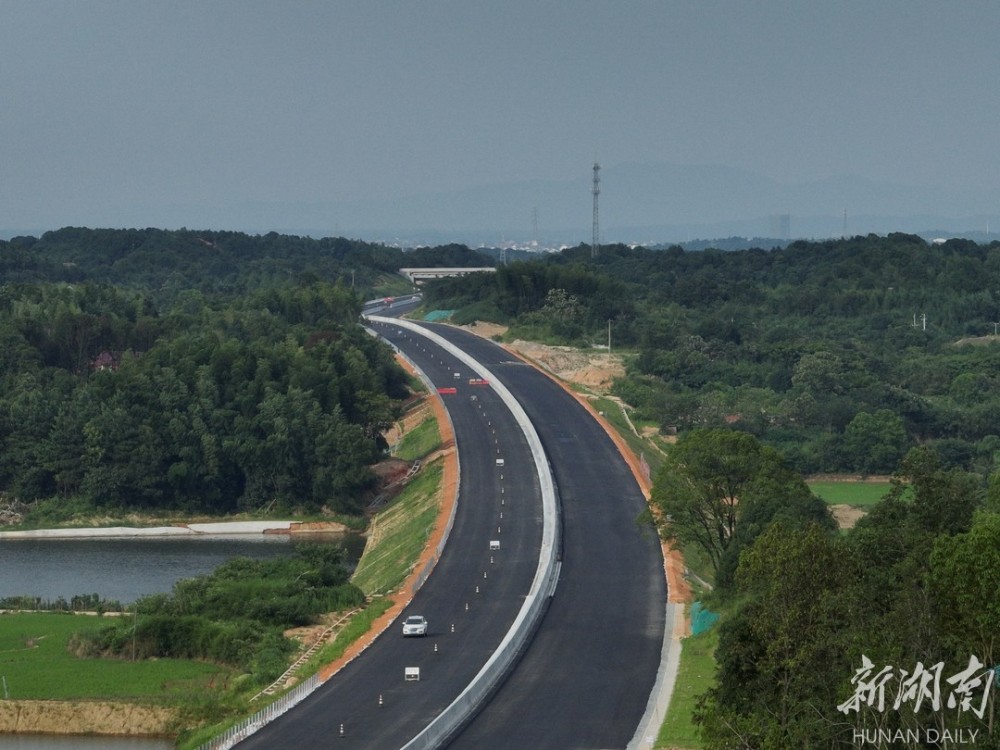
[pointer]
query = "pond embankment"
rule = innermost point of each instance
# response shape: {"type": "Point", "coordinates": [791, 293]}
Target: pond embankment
{"type": "Point", "coordinates": [219, 528]}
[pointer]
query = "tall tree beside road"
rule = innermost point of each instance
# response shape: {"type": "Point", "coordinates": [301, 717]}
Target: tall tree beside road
{"type": "Point", "coordinates": [719, 489]}
{"type": "Point", "coordinates": [910, 587]}
{"type": "Point", "coordinates": [783, 648]}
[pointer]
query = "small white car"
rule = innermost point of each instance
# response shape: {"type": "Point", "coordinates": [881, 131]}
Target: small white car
{"type": "Point", "coordinates": [415, 625]}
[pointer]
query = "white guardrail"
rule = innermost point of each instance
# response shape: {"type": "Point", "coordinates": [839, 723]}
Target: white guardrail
{"type": "Point", "coordinates": [546, 574]}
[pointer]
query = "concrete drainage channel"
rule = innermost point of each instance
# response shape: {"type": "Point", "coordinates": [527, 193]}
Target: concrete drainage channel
{"type": "Point", "coordinates": [542, 586]}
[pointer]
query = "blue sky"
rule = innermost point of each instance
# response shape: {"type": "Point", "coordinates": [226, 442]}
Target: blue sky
{"type": "Point", "coordinates": [132, 113]}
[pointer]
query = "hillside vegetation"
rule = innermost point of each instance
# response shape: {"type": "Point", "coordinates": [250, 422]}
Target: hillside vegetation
{"type": "Point", "coordinates": [771, 364]}
{"type": "Point", "coordinates": [820, 349]}
{"type": "Point", "coordinates": [199, 372]}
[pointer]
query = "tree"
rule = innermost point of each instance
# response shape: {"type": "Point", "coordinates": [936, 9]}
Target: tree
{"type": "Point", "coordinates": [943, 499]}
{"type": "Point", "coordinates": [777, 652]}
{"type": "Point", "coordinates": [964, 579]}
{"type": "Point", "coordinates": [905, 556]}
{"type": "Point", "coordinates": [776, 494]}
{"type": "Point", "coordinates": [712, 481]}
{"type": "Point", "coordinates": [876, 442]}
{"type": "Point", "coordinates": [699, 485]}
{"type": "Point", "coordinates": [60, 452]}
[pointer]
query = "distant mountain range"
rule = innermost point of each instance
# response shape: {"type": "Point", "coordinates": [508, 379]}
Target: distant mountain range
{"type": "Point", "coordinates": [639, 203]}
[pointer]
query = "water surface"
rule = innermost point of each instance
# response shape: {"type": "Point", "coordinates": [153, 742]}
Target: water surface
{"type": "Point", "coordinates": [127, 569]}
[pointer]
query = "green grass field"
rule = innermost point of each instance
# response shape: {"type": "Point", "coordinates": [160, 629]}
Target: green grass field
{"type": "Point", "coordinates": [850, 493]}
{"type": "Point", "coordinates": [36, 663]}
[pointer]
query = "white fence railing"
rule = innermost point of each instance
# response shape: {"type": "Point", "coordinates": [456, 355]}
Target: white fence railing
{"type": "Point", "coordinates": [270, 712]}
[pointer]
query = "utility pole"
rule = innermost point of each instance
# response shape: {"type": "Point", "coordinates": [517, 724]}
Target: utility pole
{"type": "Point", "coordinates": [595, 242]}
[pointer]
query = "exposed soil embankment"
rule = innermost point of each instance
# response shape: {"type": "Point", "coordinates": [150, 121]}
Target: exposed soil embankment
{"type": "Point", "coordinates": [594, 368]}
{"type": "Point", "coordinates": [85, 717]}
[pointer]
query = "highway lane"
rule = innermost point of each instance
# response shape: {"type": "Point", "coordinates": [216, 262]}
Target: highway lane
{"type": "Point", "coordinates": [473, 588]}
{"type": "Point", "coordinates": [585, 679]}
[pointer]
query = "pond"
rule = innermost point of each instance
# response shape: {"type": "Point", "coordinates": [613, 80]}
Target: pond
{"type": "Point", "coordinates": [125, 569]}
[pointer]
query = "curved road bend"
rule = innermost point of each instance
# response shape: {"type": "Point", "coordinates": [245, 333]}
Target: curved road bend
{"type": "Point", "coordinates": [586, 677]}
{"type": "Point", "coordinates": [378, 709]}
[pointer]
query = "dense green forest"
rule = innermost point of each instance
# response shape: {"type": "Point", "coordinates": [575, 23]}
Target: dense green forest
{"type": "Point", "coordinates": [208, 372]}
{"type": "Point", "coordinates": [165, 263]}
{"type": "Point", "coordinates": [886, 627]}
{"type": "Point", "coordinates": [810, 358]}
{"type": "Point", "coordinates": [842, 354]}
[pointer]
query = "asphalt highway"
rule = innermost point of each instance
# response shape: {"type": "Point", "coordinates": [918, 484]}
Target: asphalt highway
{"type": "Point", "coordinates": [586, 677]}
{"type": "Point", "coordinates": [470, 600]}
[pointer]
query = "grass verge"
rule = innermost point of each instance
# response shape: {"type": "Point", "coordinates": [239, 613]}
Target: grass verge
{"type": "Point", "coordinates": [421, 441]}
{"type": "Point", "coordinates": [357, 627]}
{"type": "Point", "coordinates": [695, 674]}
{"type": "Point", "coordinates": [398, 534]}
{"type": "Point", "coordinates": [612, 412]}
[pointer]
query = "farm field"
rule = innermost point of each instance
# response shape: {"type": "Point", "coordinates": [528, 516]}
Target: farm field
{"type": "Point", "coordinates": [37, 664]}
{"type": "Point", "coordinates": [854, 493]}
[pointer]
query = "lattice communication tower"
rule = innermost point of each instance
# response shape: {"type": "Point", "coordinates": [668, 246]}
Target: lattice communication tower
{"type": "Point", "coordinates": [595, 242]}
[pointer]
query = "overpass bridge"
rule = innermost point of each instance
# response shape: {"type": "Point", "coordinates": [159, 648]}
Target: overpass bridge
{"type": "Point", "coordinates": [418, 275]}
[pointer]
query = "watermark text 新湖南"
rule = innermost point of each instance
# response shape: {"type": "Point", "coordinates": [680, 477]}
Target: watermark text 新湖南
{"type": "Point", "coordinates": [924, 687]}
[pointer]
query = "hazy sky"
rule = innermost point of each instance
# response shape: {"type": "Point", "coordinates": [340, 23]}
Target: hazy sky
{"type": "Point", "coordinates": [112, 110]}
